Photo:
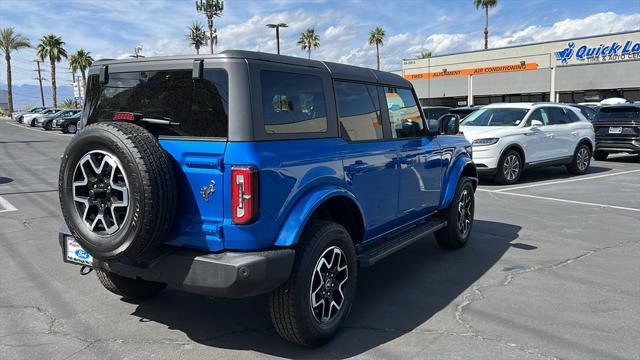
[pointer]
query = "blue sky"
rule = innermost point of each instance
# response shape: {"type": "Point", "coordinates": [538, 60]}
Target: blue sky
{"type": "Point", "coordinates": [112, 28]}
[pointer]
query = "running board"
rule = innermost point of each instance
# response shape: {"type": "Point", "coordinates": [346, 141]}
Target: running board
{"type": "Point", "coordinates": [392, 244]}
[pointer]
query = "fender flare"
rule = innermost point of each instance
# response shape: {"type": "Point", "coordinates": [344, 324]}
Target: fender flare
{"type": "Point", "coordinates": [300, 213]}
{"type": "Point", "coordinates": [454, 173]}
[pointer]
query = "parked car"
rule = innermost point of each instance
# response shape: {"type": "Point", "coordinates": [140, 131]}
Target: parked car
{"type": "Point", "coordinates": [435, 112]}
{"type": "Point", "coordinates": [17, 115]}
{"type": "Point", "coordinates": [511, 137]}
{"type": "Point", "coordinates": [463, 111]}
{"type": "Point", "coordinates": [45, 121]}
{"type": "Point", "coordinates": [246, 173]}
{"type": "Point", "coordinates": [31, 118]}
{"type": "Point", "coordinates": [617, 130]}
{"type": "Point", "coordinates": [589, 112]}
{"type": "Point", "coordinates": [68, 124]}
{"type": "Point", "coordinates": [20, 118]}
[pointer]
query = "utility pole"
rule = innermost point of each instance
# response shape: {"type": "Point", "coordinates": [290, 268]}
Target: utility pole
{"type": "Point", "coordinates": [277, 27]}
{"type": "Point", "coordinates": [40, 81]}
{"type": "Point", "coordinates": [73, 85]}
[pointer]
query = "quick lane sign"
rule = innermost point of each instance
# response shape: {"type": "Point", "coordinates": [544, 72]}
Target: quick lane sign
{"type": "Point", "coordinates": [615, 51]}
{"type": "Point", "coordinates": [473, 71]}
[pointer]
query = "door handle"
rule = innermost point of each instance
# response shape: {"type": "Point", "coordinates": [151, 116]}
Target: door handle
{"type": "Point", "coordinates": [358, 167]}
{"type": "Point", "coordinates": [574, 133]}
{"type": "Point", "coordinates": [548, 135]}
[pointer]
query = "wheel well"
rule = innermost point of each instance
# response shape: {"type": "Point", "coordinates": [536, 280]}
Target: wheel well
{"type": "Point", "coordinates": [469, 170]}
{"type": "Point", "coordinates": [587, 142]}
{"type": "Point", "coordinates": [344, 211]}
{"type": "Point", "coordinates": [518, 149]}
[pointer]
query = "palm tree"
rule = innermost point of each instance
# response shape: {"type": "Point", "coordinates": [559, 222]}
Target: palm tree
{"type": "Point", "coordinates": [80, 61]}
{"type": "Point", "coordinates": [69, 103]}
{"type": "Point", "coordinates": [197, 36]}
{"type": "Point", "coordinates": [10, 41]}
{"type": "Point", "coordinates": [309, 40]}
{"type": "Point", "coordinates": [376, 37]}
{"type": "Point", "coordinates": [211, 9]}
{"type": "Point", "coordinates": [424, 54]}
{"type": "Point", "coordinates": [486, 4]}
{"type": "Point", "coordinates": [51, 47]}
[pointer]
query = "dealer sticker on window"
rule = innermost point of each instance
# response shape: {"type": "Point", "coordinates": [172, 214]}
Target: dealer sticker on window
{"type": "Point", "coordinates": [76, 254]}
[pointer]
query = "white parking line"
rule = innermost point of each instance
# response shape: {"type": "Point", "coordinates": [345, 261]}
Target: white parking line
{"type": "Point", "coordinates": [582, 178]}
{"type": "Point", "coordinates": [39, 130]}
{"type": "Point", "coordinates": [5, 206]}
{"type": "Point", "coordinates": [564, 200]}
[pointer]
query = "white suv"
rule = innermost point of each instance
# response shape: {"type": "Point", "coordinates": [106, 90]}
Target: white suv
{"type": "Point", "coordinates": [510, 137]}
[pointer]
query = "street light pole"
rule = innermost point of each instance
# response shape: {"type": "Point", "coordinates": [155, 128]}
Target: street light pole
{"type": "Point", "coordinates": [277, 27]}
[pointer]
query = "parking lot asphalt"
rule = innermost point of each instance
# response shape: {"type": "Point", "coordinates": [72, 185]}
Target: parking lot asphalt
{"type": "Point", "coordinates": [551, 271]}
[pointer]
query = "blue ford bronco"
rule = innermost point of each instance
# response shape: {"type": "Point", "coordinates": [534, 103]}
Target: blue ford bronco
{"type": "Point", "coordinates": [246, 173]}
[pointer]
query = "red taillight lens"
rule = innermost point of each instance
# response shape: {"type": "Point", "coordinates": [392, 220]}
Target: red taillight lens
{"type": "Point", "coordinates": [126, 116]}
{"type": "Point", "coordinates": [244, 194]}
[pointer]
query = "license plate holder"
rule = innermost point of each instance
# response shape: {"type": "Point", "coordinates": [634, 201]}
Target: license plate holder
{"type": "Point", "coordinates": [74, 253]}
{"type": "Point", "coordinates": [615, 130]}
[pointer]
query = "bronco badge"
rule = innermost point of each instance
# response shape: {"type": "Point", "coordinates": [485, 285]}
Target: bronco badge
{"type": "Point", "coordinates": [206, 191]}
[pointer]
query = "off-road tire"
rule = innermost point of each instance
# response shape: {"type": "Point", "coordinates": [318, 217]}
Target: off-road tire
{"type": "Point", "coordinates": [451, 237]}
{"type": "Point", "coordinates": [130, 289]}
{"type": "Point", "coordinates": [290, 304]}
{"type": "Point", "coordinates": [577, 165]}
{"type": "Point", "coordinates": [501, 177]}
{"type": "Point", "coordinates": [600, 155]}
{"type": "Point", "coordinates": [152, 189]}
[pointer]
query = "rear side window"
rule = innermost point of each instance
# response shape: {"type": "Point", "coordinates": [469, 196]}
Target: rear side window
{"type": "Point", "coordinates": [557, 116]}
{"type": "Point", "coordinates": [359, 111]}
{"type": "Point", "coordinates": [194, 108]}
{"type": "Point", "coordinates": [293, 103]}
{"type": "Point", "coordinates": [406, 121]}
{"type": "Point", "coordinates": [572, 116]}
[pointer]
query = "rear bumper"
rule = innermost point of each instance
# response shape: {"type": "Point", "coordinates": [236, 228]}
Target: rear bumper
{"type": "Point", "coordinates": [619, 145]}
{"type": "Point", "coordinates": [227, 274]}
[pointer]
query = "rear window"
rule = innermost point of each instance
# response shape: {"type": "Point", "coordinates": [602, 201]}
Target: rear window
{"type": "Point", "coordinates": [194, 108]}
{"type": "Point", "coordinates": [293, 103]}
{"type": "Point", "coordinates": [618, 113]}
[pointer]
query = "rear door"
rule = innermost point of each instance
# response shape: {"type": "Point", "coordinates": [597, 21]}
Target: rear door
{"type": "Point", "coordinates": [190, 118]}
{"type": "Point", "coordinates": [563, 139]}
{"type": "Point", "coordinates": [369, 160]}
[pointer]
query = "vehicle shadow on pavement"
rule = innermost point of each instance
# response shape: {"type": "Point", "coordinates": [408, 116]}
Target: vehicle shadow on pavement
{"type": "Point", "coordinates": [394, 297]}
{"type": "Point", "coordinates": [530, 176]}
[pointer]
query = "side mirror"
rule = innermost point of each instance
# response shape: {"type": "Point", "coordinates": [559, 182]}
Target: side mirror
{"type": "Point", "coordinates": [433, 127]}
{"type": "Point", "coordinates": [536, 123]}
{"type": "Point", "coordinates": [449, 124]}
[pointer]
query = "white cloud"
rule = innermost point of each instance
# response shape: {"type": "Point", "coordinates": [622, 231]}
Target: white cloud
{"type": "Point", "coordinates": [445, 18]}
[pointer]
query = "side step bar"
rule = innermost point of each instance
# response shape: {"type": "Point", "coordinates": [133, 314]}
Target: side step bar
{"type": "Point", "coordinates": [392, 244]}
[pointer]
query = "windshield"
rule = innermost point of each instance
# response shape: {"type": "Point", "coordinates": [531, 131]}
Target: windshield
{"type": "Point", "coordinates": [495, 117]}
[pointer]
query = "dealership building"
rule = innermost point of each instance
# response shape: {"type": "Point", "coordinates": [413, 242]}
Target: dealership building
{"type": "Point", "coordinates": [586, 69]}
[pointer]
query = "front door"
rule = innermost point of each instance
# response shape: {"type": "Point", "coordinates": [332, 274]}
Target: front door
{"type": "Point", "coordinates": [541, 142]}
{"type": "Point", "coordinates": [419, 157]}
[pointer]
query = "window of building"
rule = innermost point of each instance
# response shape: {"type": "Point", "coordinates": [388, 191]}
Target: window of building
{"type": "Point", "coordinates": [293, 103]}
{"type": "Point", "coordinates": [359, 111]}
{"type": "Point", "coordinates": [404, 114]}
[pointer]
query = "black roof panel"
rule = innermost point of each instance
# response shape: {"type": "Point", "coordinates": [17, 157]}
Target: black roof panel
{"type": "Point", "coordinates": [337, 70]}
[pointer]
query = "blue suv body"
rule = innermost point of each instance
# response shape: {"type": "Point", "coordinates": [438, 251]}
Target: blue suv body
{"type": "Point", "coordinates": [283, 175]}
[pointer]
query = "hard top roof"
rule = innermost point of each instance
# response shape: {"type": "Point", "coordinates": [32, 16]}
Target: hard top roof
{"type": "Point", "coordinates": [337, 70]}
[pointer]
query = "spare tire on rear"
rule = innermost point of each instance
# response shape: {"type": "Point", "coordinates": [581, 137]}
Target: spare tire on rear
{"type": "Point", "coordinates": [117, 190]}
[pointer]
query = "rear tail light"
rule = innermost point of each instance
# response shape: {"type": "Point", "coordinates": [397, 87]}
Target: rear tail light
{"type": "Point", "coordinates": [126, 116]}
{"type": "Point", "coordinates": [244, 194]}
